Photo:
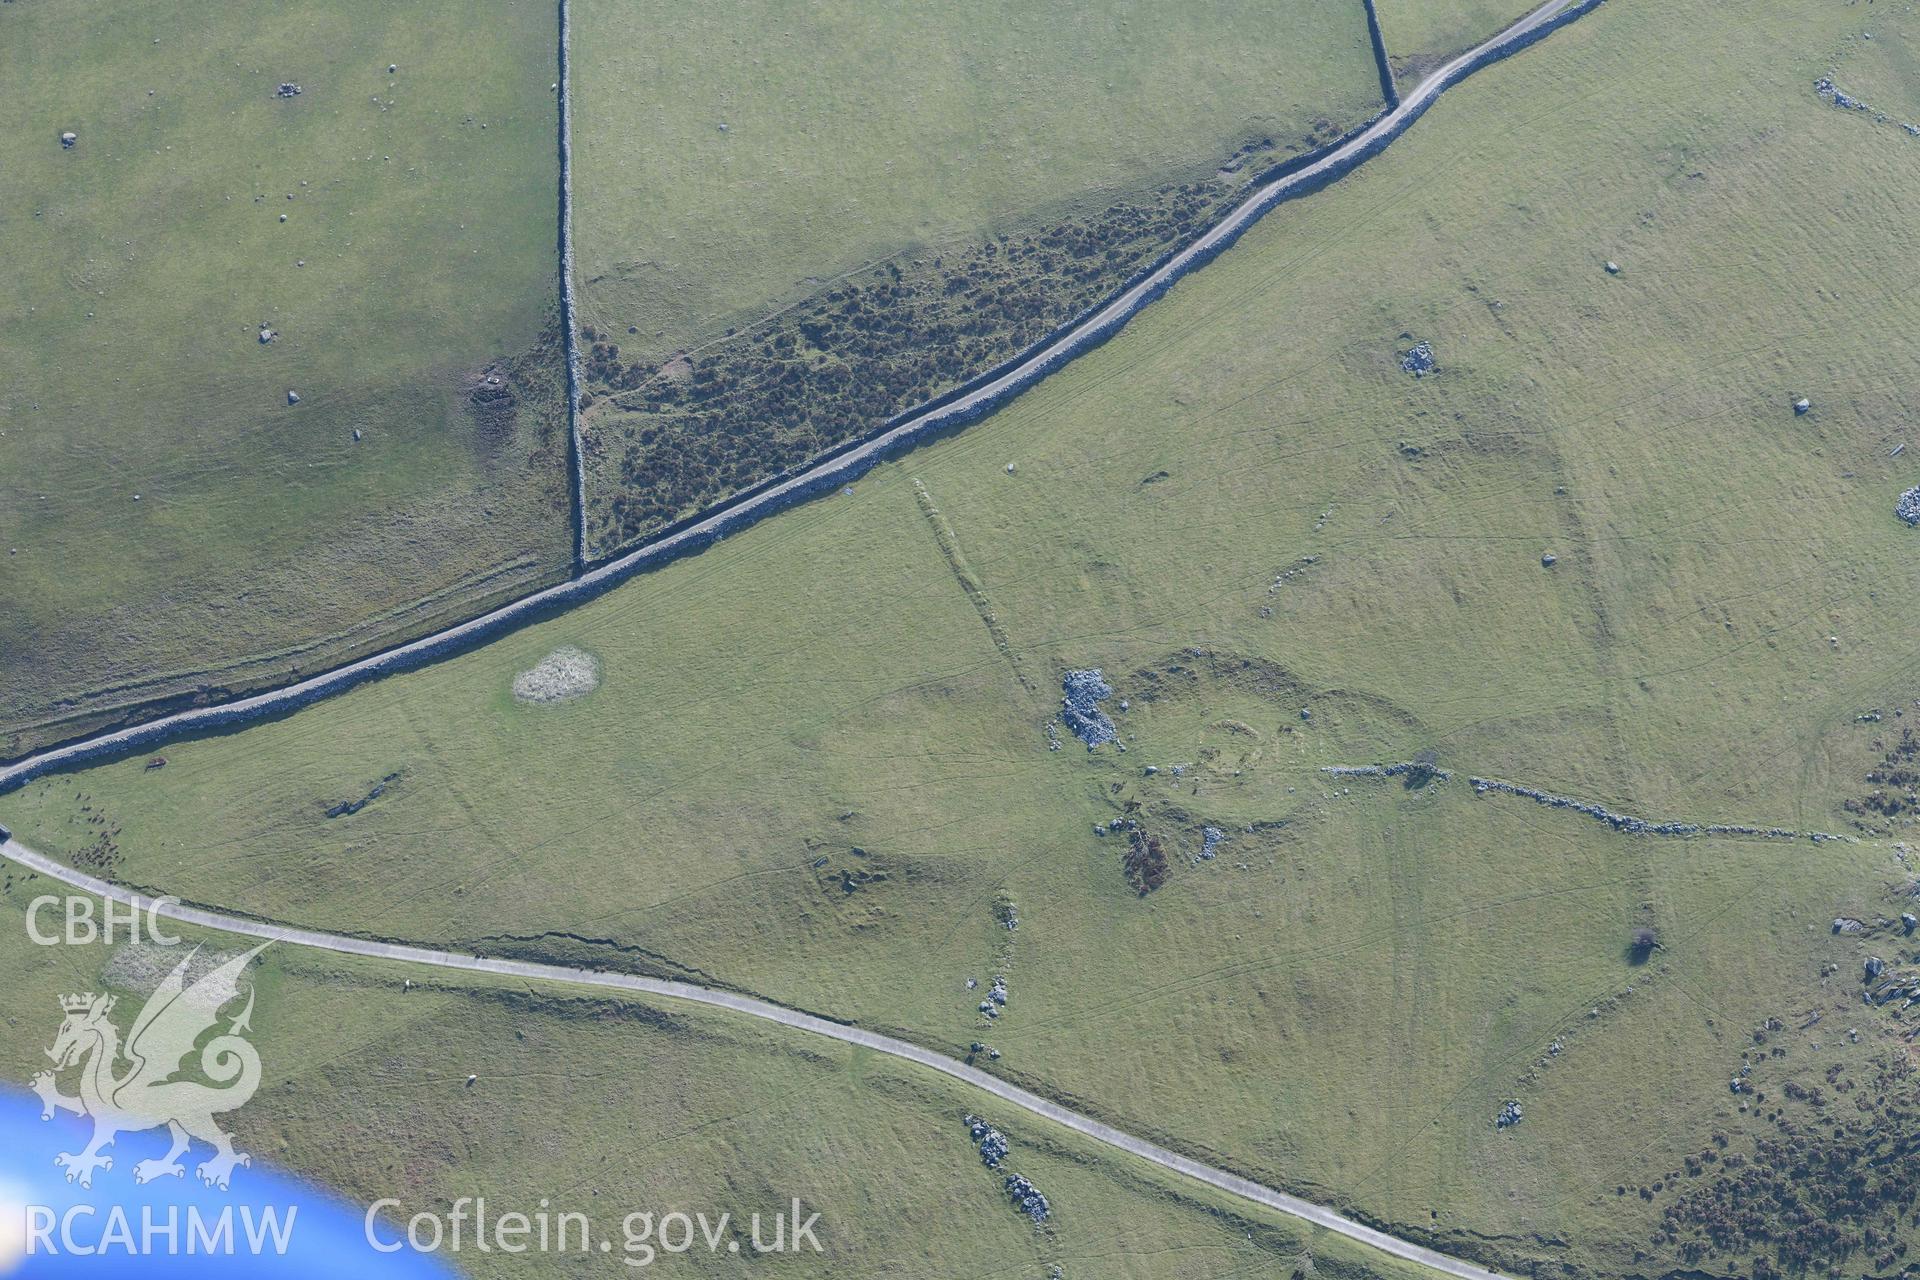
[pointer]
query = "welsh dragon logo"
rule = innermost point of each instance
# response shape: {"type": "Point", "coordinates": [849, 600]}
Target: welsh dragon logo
{"type": "Point", "coordinates": [145, 1095]}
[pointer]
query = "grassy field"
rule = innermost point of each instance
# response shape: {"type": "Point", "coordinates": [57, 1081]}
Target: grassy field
{"type": "Point", "coordinates": [978, 175]}
{"type": "Point", "coordinates": [816, 766]}
{"type": "Point", "coordinates": [1423, 34]}
{"type": "Point", "coordinates": [196, 208]}
{"type": "Point", "coordinates": [730, 160]}
{"type": "Point", "coordinates": [609, 1106]}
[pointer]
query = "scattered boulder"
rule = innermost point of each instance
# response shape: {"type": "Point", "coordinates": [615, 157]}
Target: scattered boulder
{"type": "Point", "coordinates": [1909, 922]}
{"type": "Point", "coordinates": [293, 397]}
{"type": "Point", "coordinates": [1613, 268]}
{"type": "Point", "coordinates": [68, 139]}
{"type": "Point", "coordinates": [1847, 924]}
{"type": "Point", "coordinates": [1548, 560]}
{"type": "Point", "coordinates": [1802, 406]}
{"type": "Point", "coordinates": [266, 335]}
{"type": "Point", "coordinates": [287, 89]}
{"type": "Point", "coordinates": [1418, 360]}
{"type": "Point", "coordinates": [1875, 966]}
{"type": "Point", "coordinates": [1832, 93]}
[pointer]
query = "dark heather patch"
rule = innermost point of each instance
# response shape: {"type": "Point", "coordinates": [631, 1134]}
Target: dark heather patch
{"type": "Point", "coordinates": [672, 436]}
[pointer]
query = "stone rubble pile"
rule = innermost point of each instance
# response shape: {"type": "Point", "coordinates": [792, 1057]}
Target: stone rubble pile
{"type": "Point", "coordinates": [1509, 1116]}
{"type": "Point", "coordinates": [1908, 508]}
{"type": "Point", "coordinates": [1418, 360]}
{"type": "Point", "coordinates": [1641, 826]}
{"type": "Point", "coordinates": [1027, 1198]}
{"type": "Point", "coordinates": [1082, 692]}
{"type": "Point", "coordinates": [1831, 92]}
{"type": "Point", "coordinates": [1382, 770]}
{"type": "Point", "coordinates": [992, 1142]}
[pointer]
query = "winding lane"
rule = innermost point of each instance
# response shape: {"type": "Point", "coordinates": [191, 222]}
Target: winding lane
{"type": "Point", "coordinates": [833, 471]}
{"type": "Point", "coordinates": [1233, 1184]}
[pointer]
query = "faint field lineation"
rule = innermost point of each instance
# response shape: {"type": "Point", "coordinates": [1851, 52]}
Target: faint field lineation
{"type": "Point", "coordinates": [838, 467]}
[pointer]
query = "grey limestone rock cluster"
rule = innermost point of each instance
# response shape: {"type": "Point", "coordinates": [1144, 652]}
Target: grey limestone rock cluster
{"type": "Point", "coordinates": [1082, 692]}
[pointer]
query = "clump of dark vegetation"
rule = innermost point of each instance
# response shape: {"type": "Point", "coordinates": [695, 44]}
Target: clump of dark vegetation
{"type": "Point", "coordinates": [523, 400]}
{"type": "Point", "coordinates": [700, 425]}
{"type": "Point", "coordinates": [1642, 943]}
{"type": "Point", "coordinates": [348, 807]}
{"type": "Point", "coordinates": [1145, 862]}
{"type": "Point", "coordinates": [1836, 1179]}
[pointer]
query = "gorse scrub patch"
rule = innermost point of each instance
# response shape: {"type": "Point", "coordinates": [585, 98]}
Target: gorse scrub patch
{"type": "Point", "coordinates": [563, 675]}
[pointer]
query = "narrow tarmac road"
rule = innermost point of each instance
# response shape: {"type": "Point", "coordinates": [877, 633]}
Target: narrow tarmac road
{"type": "Point", "coordinates": [1231, 1183]}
